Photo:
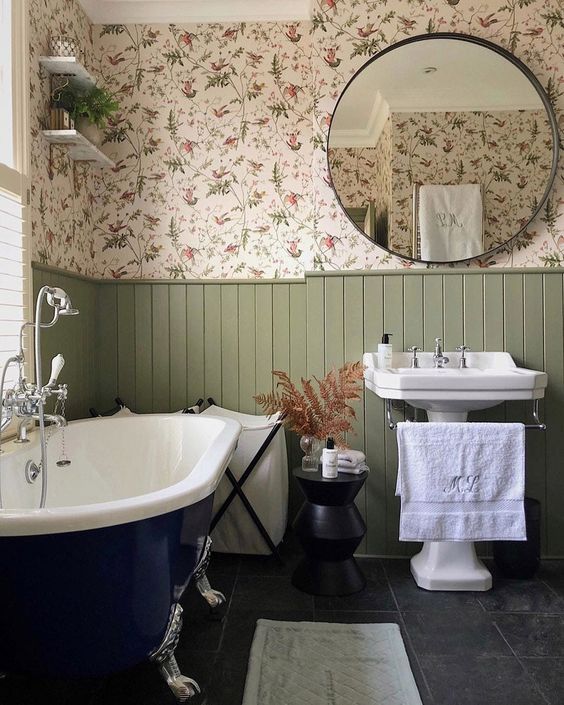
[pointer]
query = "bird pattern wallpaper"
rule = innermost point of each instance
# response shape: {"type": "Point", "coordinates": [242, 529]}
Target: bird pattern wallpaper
{"type": "Point", "coordinates": [220, 141]}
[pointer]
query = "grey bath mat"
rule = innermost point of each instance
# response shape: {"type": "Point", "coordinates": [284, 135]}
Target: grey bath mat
{"type": "Point", "coordinates": [313, 663]}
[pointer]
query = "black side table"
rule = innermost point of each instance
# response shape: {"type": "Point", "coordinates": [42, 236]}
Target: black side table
{"type": "Point", "coordinates": [330, 528]}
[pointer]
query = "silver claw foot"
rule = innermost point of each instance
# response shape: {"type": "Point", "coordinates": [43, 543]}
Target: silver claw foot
{"type": "Point", "coordinates": [183, 687]}
{"type": "Point", "coordinates": [214, 598]}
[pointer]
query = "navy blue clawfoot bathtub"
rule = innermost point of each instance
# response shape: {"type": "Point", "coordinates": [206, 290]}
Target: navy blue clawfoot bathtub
{"type": "Point", "coordinates": [89, 589]}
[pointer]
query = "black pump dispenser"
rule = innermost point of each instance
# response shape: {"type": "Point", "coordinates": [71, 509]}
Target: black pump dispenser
{"type": "Point", "coordinates": [386, 338]}
{"type": "Point", "coordinates": [330, 443]}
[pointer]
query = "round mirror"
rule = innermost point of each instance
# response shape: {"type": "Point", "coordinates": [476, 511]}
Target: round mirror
{"type": "Point", "coordinates": [442, 148]}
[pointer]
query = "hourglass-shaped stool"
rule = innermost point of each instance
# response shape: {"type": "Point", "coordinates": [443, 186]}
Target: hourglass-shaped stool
{"type": "Point", "coordinates": [330, 528]}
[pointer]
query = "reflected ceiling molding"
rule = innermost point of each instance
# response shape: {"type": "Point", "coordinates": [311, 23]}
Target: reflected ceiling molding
{"type": "Point", "coordinates": [165, 11]}
{"type": "Point", "coordinates": [367, 136]}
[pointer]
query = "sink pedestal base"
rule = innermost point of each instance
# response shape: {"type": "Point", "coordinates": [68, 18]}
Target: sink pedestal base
{"type": "Point", "coordinates": [450, 565]}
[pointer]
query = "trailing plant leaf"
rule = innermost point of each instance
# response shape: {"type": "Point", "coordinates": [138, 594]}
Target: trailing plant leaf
{"type": "Point", "coordinates": [96, 104]}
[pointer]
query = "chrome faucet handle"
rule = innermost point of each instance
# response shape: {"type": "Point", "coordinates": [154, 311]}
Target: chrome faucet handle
{"type": "Point", "coordinates": [463, 349]}
{"type": "Point", "coordinates": [414, 360]}
{"type": "Point", "coordinates": [439, 359]}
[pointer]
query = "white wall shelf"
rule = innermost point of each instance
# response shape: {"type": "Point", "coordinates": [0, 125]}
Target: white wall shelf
{"type": "Point", "coordinates": [80, 149]}
{"type": "Point", "coordinates": [68, 66]}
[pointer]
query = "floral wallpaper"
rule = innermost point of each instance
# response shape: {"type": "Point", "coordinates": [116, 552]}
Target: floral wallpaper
{"type": "Point", "coordinates": [213, 152]}
{"type": "Point", "coordinates": [221, 164]}
{"type": "Point", "coordinates": [61, 190]}
{"type": "Point", "coordinates": [363, 175]}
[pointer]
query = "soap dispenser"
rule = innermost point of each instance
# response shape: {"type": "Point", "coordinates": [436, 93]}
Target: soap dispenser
{"type": "Point", "coordinates": [385, 352]}
{"type": "Point", "coordinates": [330, 461]}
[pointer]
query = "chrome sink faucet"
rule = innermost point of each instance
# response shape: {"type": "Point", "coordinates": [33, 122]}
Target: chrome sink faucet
{"type": "Point", "coordinates": [439, 359]}
{"type": "Point", "coordinates": [463, 362]}
{"type": "Point", "coordinates": [414, 363]}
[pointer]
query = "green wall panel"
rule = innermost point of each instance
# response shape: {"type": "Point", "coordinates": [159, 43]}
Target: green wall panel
{"type": "Point", "coordinates": [163, 345]}
{"type": "Point", "coordinates": [247, 341]}
{"type": "Point", "coordinates": [178, 347]}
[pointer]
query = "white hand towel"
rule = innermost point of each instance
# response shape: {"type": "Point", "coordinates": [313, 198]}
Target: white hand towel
{"type": "Point", "coordinates": [450, 222]}
{"type": "Point", "coordinates": [354, 470]}
{"type": "Point", "coordinates": [351, 458]}
{"type": "Point", "coordinates": [461, 481]}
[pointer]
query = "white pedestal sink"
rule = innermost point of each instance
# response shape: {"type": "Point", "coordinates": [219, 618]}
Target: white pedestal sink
{"type": "Point", "coordinates": [448, 394]}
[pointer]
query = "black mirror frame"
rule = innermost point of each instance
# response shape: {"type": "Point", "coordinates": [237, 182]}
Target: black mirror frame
{"type": "Point", "coordinates": [538, 87]}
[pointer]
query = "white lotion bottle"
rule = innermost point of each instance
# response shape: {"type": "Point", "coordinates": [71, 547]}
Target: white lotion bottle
{"type": "Point", "coordinates": [330, 461]}
{"type": "Point", "coordinates": [385, 352]}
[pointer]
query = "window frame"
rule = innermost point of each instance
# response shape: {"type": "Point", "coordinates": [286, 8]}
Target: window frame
{"type": "Point", "coordinates": [15, 181]}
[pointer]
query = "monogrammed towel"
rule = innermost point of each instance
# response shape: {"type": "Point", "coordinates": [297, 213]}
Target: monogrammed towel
{"type": "Point", "coordinates": [461, 481]}
{"type": "Point", "coordinates": [450, 222]}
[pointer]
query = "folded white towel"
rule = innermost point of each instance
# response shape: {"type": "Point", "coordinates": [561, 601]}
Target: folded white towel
{"type": "Point", "coordinates": [450, 222]}
{"type": "Point", "coordinates": [354, 470]}
{"type": "Point", "coordinates": [351, 458]}
{"type": "Point", "coordinates": [461, 481]}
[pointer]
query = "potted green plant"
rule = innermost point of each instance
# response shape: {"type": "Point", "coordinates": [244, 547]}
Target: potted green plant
{"type": "Point", "coordinates": [90, 110]}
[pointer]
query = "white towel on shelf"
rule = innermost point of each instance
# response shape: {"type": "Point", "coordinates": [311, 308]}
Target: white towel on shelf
{"type": "Point", "coordinates": [461, 481]}
{"type": "Point", "coordinates": [450, 222]}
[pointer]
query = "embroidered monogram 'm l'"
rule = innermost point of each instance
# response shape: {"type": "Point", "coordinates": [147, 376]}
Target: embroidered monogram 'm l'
{"type": "Point", "coordinates": [462, 484]}
{"type": "Point", "coordinates": [449, 220]}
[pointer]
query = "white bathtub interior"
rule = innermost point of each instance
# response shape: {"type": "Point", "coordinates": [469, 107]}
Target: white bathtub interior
{"type": "Point", "coordinates": [126, 461]}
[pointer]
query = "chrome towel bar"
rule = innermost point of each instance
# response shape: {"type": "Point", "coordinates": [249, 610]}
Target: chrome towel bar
{"type": "Point", "coordinates": [537, 426]}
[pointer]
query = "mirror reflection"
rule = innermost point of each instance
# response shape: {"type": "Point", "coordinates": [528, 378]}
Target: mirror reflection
{"type": "Point", "coordinates": [440, 149]}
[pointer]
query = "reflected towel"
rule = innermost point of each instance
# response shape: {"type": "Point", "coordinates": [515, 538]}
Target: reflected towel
{"type": "Point", "coordinates": [450, 222]}
{"type": "Point", "coordinates": [461, 481]}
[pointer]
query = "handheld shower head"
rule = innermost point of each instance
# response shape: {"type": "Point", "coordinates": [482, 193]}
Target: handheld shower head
{"type": "Point", "coordinates": [68, 310]}
{"type": "Point", "coordinates": [60, 300]}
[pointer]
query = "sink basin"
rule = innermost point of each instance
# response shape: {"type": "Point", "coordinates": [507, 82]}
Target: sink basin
{"type": "Point", "coordinates": [490, 379]}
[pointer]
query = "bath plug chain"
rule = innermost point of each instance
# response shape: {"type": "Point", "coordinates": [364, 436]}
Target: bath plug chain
{"type": "Point", "coordinates": [64, 461]}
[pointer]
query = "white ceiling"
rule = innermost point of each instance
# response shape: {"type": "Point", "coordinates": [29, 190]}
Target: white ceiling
{"type": "Point", "coordinates": [468, 77]}
{"type": "Point", "coordinates": [156, 11]}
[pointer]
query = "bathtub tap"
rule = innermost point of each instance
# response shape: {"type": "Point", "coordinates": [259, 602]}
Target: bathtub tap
{"type": "Point", "coordinates": [21, 436]}
{"type": "Point", "coordinates": [27, 400]}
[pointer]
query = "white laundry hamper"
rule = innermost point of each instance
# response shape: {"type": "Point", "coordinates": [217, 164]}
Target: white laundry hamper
{"type": "Point", "coordinates": [266, 487]}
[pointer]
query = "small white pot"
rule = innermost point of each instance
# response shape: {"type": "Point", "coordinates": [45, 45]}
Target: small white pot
{"type": "Point", "coordinates": [90, 131]}
{"type": "Point", "coordinates": [62, 45]}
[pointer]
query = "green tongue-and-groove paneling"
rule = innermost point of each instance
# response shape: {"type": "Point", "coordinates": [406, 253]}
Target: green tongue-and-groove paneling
{"type": "Point", "coordinates": [162, 345]}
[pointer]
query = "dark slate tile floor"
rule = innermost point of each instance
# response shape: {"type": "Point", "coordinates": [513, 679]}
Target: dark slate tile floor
{"type": "Point", "coordinates": [503, 647]}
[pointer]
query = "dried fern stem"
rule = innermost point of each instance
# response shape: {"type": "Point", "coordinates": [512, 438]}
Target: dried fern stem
{"type": "Point", "coordinates": [320, 413]}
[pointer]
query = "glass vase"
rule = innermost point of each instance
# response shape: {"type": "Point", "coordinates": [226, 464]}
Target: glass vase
{"type": "Point", "coordinates": [312, 448]}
